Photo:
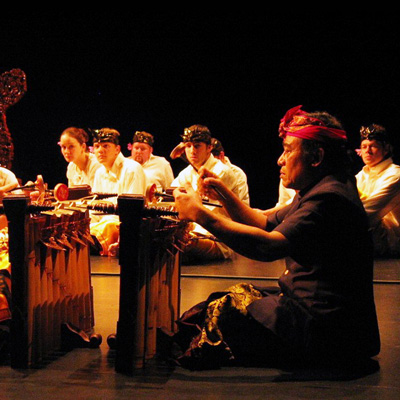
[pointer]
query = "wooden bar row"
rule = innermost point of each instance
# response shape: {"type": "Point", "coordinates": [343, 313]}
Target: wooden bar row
{"type": "Point", "coordinates": [149, 282]}
{"type": "Point", "coordinates": [50, 278]}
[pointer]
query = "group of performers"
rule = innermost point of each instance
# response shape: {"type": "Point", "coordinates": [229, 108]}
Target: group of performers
{"type": "Point", "coordinates": [107, 170]}
{"type": "Point", "coordinates": [292, 229]}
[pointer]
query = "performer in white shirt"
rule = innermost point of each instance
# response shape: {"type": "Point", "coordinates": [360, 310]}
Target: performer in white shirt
{"type": "Point", "coordinates": [242, 187]}
{"type": "Point", "coordinates": [82, 165]}
{"type": "Point", "coordinates": [286, 195]}
{"type": "Point", "coordinates": [8, 181]}
{"type": "Point", "coordinates": [197, 148]}
{"type": "Point", "coordinates": [117, 175]}
{"type": "Point", "coordinates": [378, 184]}
{"type": "Point", "coordinates": [157, 169]}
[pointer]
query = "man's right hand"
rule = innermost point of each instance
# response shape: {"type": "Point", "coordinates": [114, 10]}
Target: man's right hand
{"type": "Point", "coordinates": [187, 202]}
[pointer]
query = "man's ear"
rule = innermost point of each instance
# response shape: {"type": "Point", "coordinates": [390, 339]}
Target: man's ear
{"type": "Point", "coordinates": [386, 149]}
{"type": "Point", "coordinates": [318, 157]}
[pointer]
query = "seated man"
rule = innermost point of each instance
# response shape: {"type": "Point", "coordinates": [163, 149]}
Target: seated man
{"type": "Point", "coordinates": [379, 186]}
{"type": "Point", "coordinates": [8, 181]}
{"type": "Point", "coordinates": [197, 149]}
{"type": "Point", "coordinates": [157, 169]}
{"type": "Point", "coordinates": [323, 311]}
{"type": "Point", "coordinates": [286, 196]}
{"type": "Point", "coordinates": [117, 175]}
{"type": "Point", "coordinates": [241, 184]}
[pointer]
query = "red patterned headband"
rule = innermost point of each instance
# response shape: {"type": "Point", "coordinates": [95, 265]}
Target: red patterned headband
{"type": "Point", "coordinates": [298, 123]}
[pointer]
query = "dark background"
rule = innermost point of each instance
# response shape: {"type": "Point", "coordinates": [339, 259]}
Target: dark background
{"type": "Point", "coordinates": [237, 74]}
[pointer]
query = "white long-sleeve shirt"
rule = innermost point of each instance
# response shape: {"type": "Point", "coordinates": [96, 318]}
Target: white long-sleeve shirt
{"type": "Point", "coordinates": [7, 177]}
{"type": "Point", "coordinates": [126, 176]}
{"type": "Point", "coordinates": [379, 189]}
{"type": "Point", "coordinates": [158, 170]}
{"type": "Point", "coordinates": [286, 195]}
{"type": "Point", "coordinates": [226, 174]}
{"type": "Point", "coordinates": [77, 177]}
{"type": "Point", "coordinates": [241, 187]}
{"type": "Point", "coordinates": [214, 165]}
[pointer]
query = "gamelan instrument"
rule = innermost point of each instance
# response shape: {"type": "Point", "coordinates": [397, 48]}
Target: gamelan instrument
{"type": "Point", "coordinates": [151, 241]}
{"type": "Point", "coordinates": [52, 298]}
{"type": "Point", "coordinates": [153, 196]}
{"type": "Point", "coordinates": [51, 292]}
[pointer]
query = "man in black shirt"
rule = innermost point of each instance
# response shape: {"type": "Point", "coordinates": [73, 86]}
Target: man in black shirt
{"type": "Point", "coordinates": [323, 310]}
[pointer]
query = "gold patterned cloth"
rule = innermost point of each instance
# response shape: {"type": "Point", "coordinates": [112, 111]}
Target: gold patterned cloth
{"type": "Point", "coordinates": [207, 347]}
{"type": "Point", "coordinates": [235, 301]}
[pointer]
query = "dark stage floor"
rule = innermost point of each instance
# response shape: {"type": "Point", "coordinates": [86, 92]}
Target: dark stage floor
{"type": "Point", "coordinates": [90, 373]}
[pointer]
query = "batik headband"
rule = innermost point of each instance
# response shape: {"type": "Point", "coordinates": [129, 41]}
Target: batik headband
{"type": "Point", "coordinates": [298, 123]}
{"type": "Point", "coordinates": [143, 137]}
{"type": "Point", "coordinates": [196, 135]}
{"type": "Point", "coordinates": [373, 132]}
{"type": "Point", "coordinates": [105, 135]}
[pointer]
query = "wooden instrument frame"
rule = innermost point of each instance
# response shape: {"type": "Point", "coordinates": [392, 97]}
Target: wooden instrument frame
{"type": "Point", "coordinates": [150, 261]}
{"type": "Point", "coordinates": [41, 325]}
